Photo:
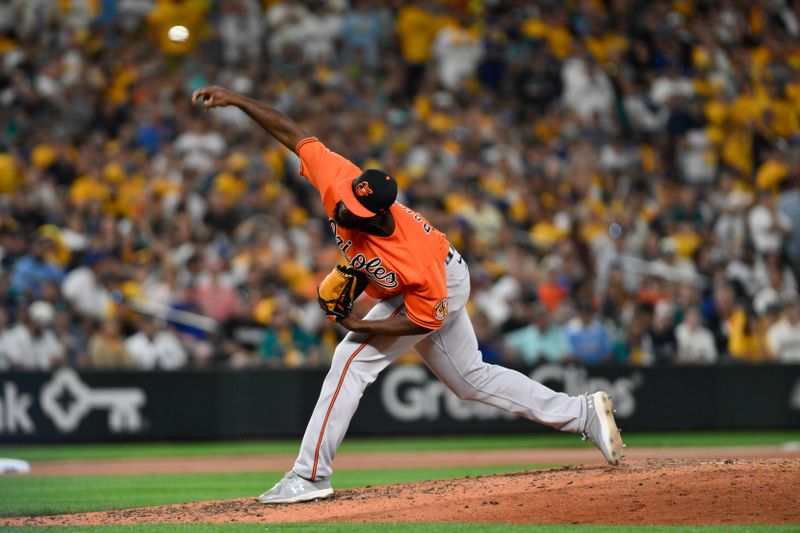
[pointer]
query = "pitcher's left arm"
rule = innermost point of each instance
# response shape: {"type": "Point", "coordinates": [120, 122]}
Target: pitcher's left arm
{"type": "Point", "coordinates": [394, 326]}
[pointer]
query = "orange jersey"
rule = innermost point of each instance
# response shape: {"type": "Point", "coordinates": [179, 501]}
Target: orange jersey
{"type": "Point", "coordinates": [410, 261]}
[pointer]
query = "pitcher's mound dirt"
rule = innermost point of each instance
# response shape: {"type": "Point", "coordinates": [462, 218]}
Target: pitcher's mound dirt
{"type": "Point", "coordinates": [660, 491]}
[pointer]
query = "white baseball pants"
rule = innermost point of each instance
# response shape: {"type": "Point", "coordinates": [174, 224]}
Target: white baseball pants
{"type": "Point", "coordinates": [451, 353]}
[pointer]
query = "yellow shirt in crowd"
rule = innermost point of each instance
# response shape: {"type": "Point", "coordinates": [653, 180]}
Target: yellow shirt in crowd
{"type": "Point", "coordinates": [416, 30]}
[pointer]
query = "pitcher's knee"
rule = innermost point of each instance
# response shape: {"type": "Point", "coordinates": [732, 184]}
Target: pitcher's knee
{"type": "Point", "coordinates": [468, 392]}
{"type": "Point", "coordinates": [473, 386]}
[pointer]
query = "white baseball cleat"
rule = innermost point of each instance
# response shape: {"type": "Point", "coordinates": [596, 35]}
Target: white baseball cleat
{"type": "Point", "coordinates": [601, 428]}
{"type": "Point", "coordinates": [294, 489]}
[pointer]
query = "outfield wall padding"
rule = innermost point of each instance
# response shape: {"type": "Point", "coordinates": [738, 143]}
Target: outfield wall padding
{"type": "Point", "coordinates": [71, 406]}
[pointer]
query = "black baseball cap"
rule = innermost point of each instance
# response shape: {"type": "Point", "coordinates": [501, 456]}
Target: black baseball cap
{"type": "Point", "coordinates": [371, 193]}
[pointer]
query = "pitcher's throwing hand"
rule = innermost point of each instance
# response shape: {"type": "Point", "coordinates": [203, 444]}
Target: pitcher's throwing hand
{"type": "Point", "coordinates": [214, 97]}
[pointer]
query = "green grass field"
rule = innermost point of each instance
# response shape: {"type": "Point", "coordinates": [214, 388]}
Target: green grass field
{"type": "Point", "coordinates": [484, 442]}
{"type": "Point", "coordinates": [25, 496]}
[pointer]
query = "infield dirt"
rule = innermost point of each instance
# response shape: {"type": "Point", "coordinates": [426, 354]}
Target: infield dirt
{"type": "Point", "coordinates": [643, 491]}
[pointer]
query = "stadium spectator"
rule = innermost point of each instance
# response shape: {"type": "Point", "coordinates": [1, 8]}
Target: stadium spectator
{"type": "Point", "coordinates": [487, 343]}
{"type": "Point", "coordinates": [767, 225]}
{"type": "Point", "coordinates": [587, 90]}
{"type": "Point", "coordinates": [155, 347]}
{"type": "Point", "coordinates": [107, 349]}
{"type": "Point", "coordinates": [215, 292]}
{"type": "Point", "coordinates": [5, 362]}
{"type": "Point", "coordinates": [542, 340]}
{"type": "Point", "coordinates": [695, 343]}
{"type": "Point", "coordinates": [783, 337]}
{"type": "Point", "coordinates": [417, 26]}
{"type": "Point", "coordinates": [780, 286]}
{"type": "Point", "coordinates": [198, 147]}
{"type": "Point", "coordinates": [286, 344]}
{"type": "Point", "coordinates": [746, 340]}
{"type": "Point", "coordinates": [660, 336]}
{"type": "Point", "coordinates": [318, 32]}
{"type": "Point", "coordinates": [589, 341]}
{"type": "Point", "coordinates": [31, 343]}
{"type": "Point", "coordinates": [32, 271]}
{"type": "Point", "coordinates": [789, 205]}
{"type": "Point", "coordinates": [743, 273]}
{"type": "Point", "coordinates": [554, 288]}
{"type": "Point", "coordinates": [85, 287]}
{"type": "Point", "coordinates": [240, 30]}
{"type": "Point", "coordinates": [718, 308]}
{"type": "Point", "coordinates": [73, 332]}
{"type": "Point", "coordinates": [457, 50]}
{"type": "Point", "coordinates": [362, 33]}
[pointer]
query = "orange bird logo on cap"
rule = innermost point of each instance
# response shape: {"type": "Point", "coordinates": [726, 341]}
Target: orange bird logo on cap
{"type": "Point", "coordinates": [363, 189]}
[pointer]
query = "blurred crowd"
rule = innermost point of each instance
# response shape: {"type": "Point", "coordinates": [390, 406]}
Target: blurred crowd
{"type": "Point", "coordinates": [622, 176]}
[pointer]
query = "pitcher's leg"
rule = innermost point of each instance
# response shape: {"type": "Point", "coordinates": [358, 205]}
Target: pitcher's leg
{"type": "Point", "coordinates": [452, 354]}
{"type": "Point", "coordinates": [356, 363]}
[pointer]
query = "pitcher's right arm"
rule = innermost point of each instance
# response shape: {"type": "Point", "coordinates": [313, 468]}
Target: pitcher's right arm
{"type": "Point", "coordinates": [284, 129]}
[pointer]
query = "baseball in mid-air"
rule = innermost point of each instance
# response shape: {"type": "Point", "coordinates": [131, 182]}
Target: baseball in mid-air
{"type": "Point", "coordinates": [178, 34]}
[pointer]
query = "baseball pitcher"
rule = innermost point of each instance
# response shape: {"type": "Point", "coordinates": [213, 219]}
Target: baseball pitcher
{"type": "Point", "coordinates": [422, 285]}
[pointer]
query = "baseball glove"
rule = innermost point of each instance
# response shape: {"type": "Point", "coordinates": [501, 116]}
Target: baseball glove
{"type": "Point", "coordinates": [339, 290]}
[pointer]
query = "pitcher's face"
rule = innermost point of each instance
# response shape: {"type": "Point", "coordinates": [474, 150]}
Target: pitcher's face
{"type": "Point", "coordinates": [345, 219]}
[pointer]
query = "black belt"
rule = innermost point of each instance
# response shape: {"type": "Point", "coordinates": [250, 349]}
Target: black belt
{"type": "Point", "coordinates": [450, 255]}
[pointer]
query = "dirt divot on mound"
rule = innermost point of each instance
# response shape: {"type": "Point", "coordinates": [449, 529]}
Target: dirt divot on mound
{"type": "Point", "coordinates": [662, 491]}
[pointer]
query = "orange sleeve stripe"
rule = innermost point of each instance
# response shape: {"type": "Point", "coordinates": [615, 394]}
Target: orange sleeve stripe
{"type": "Point", "coordinates": [301, 142]}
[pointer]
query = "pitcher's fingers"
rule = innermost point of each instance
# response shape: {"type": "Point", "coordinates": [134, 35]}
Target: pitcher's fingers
{"type": "Point", "coordinates": [200, 93]}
